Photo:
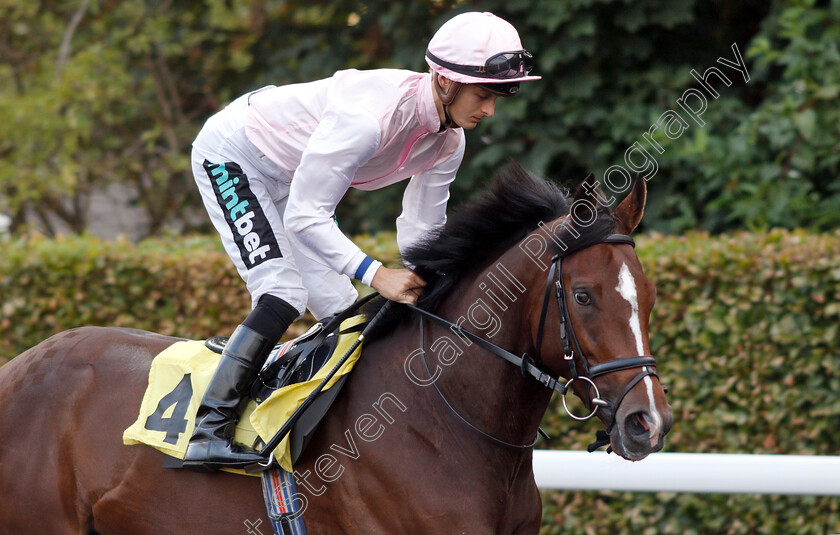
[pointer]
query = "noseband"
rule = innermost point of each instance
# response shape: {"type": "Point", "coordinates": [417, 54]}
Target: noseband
{"type": "Point", "coordinates": [533, 367]}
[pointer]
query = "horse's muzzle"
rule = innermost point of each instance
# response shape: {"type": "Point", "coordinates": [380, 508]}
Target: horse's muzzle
{"type": "Point", "coordinates": [640, 433]}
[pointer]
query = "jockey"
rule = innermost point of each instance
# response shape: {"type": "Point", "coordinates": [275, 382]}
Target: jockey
{"type": "Point", "coordinates": [273, 165]}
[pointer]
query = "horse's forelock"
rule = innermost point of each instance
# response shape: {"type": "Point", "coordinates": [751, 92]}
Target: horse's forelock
{"type": "Point", "coordinates": [580, 236]}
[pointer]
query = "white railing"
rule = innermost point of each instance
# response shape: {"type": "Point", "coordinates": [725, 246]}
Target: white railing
{"type": "Point", "coordinates": [689, 472]}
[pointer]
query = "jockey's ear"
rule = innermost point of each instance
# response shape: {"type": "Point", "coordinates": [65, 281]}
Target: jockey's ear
{"type": "Point", "coordinates": [445, 89]}
{"type": "Point", "coordinates": [444, 83]}
{"type": "Point", "coordinates": [629, 212]}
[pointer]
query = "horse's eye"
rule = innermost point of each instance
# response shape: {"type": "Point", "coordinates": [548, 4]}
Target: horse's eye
{"type": "Point", "coordinates": [583, 298]}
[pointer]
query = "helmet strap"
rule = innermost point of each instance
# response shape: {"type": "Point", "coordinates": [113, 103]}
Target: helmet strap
{"type": "Point", "coordinates": [446, 98]}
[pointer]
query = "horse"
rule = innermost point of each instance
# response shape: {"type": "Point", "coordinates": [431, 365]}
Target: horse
{"type": "Point", "coordinates": [432, 433]}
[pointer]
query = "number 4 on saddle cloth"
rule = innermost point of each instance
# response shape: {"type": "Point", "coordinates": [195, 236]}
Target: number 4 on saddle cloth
{"type": "Point", "coordinates": [181, 373]}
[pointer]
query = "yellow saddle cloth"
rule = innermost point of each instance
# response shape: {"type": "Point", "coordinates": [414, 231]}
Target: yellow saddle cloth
{"type": "Point", "coordinates": [178, 378]}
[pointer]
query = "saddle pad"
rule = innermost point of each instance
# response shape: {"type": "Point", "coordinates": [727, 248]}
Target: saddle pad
{"type": "Point", "coordinates": [178, 378]}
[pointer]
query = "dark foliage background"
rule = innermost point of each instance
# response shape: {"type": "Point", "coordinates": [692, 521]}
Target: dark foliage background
{"type": "Point", "coordinates": [96, 93]}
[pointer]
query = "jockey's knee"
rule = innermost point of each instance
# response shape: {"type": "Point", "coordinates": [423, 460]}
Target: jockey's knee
{"type": "Point", "coordinates": [271, 317]}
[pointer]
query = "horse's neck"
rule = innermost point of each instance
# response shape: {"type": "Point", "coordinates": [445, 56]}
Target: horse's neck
{"type": "Point", "coordinates": [486, 389]}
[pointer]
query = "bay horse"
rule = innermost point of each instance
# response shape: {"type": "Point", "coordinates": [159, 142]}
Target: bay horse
{"type": "Point", "coordinates": [432, 433]}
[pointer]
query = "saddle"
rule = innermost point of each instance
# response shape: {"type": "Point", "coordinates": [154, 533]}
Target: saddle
{"type": "Point", "coordinates": [297, 385]}
{"type": "Point", "coordinates": [296, 362]}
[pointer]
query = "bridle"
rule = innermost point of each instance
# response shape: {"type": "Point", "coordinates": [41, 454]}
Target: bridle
{"type": "Point", "coordinates": [579, 368]}
{"type": "Point", "coordinates": [571, 347]}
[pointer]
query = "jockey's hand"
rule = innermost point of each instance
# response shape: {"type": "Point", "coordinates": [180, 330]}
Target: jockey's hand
{"type": "Point", "coordinates": [400, 285]}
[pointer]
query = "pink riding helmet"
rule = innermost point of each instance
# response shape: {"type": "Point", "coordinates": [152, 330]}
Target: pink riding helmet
{"type": "Point", "coordinates": [480, 48]}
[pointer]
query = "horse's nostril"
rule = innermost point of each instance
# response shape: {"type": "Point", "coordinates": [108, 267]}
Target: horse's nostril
{"type": "Point", "coordinates": [642, 421]}
{"type": "Point", "coordinates": [637, 425]}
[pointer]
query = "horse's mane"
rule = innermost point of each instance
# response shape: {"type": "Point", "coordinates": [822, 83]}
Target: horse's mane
{"type": "Point", "coordinates": [480, 231]}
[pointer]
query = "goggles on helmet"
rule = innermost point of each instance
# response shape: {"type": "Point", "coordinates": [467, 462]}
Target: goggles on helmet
{"type": "Point", "coordinates": [502, 66]}
{"type": "Point", "coordinates": [506, 89]}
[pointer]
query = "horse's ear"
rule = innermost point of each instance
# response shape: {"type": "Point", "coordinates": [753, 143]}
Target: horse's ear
{"type": "Point", "coordinates": [588, 190]}
{"type": "Point", "coordinates": [629, 212]}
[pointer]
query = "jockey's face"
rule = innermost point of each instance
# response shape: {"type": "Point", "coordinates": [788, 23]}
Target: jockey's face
{"type": "Point", "coordinates": [472, 104]}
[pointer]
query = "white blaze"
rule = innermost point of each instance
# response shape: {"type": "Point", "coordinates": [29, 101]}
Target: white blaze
{"type": "Point", "coordinates": [627, 289]}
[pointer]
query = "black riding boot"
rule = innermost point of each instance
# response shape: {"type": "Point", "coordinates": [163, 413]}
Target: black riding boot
{"type": "Point", "coordinates": [211, 445]}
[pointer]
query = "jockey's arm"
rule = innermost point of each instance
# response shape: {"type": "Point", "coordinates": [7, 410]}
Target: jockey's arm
{"type": "Point", "coordinates": [424, 210]}
{"type": "Point", "coordinates": [425, 199]}
{"type": "Point", "coordinates": [343, 141]}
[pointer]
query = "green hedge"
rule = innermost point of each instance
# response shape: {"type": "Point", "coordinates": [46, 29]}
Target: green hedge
{"type": "Point", "coordinates": [179, 286]}
{"type": "Point", "coordinates": [186, 287]}
{"type": "Point", "coordinates": [745, 328]}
